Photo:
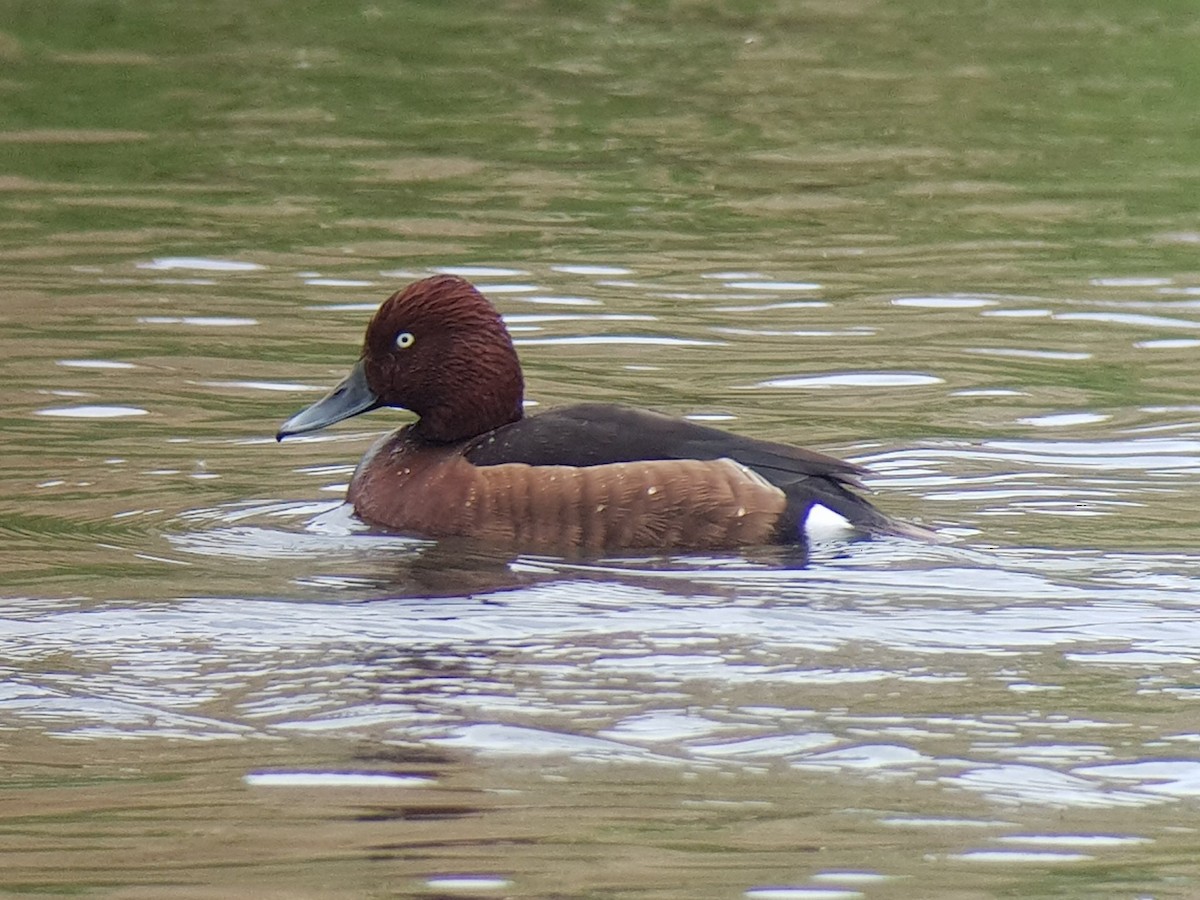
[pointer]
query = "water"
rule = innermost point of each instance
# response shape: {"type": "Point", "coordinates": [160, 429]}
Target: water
{"type": "Point", "coordinates": [957, 245]}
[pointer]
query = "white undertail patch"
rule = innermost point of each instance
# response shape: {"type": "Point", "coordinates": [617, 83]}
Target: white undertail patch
{"type": "Point", "coordinates": [822, 525]}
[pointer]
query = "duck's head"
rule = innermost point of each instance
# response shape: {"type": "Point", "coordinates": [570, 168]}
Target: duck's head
{"type": "Point", "coordinates": [437, 348]}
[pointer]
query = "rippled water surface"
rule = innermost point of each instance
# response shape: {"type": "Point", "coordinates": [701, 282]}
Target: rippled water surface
{"type": "Point", "coordinates": [957, 245]}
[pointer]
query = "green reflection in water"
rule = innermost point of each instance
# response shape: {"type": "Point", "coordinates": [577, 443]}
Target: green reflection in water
{"type": "Point", "coordinates": [1063, 133]}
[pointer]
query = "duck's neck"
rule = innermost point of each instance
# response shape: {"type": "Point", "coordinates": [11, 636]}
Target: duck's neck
{"type": "Point", "coordinates": [468, 418]}
{"type": "Point", "coordinates": [493, 396]}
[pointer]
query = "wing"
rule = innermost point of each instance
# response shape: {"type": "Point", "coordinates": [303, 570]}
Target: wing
{"type": "Point", "coordinates": [592, 434]}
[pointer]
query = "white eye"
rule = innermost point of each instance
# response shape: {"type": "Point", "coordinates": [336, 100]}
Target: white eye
{"type": "Point", "coordinates": [404, 340]}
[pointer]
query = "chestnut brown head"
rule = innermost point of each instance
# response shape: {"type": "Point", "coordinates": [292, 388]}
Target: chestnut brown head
{"type": "Point", "coordinates": [439, 349]}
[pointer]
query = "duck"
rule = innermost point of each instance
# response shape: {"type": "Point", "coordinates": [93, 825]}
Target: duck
{"type": "Point", "coordinates": [583, 479]}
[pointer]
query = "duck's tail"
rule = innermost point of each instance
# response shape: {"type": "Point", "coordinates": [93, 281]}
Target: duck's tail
{"type": "Point", "coordinates": [861, 515]}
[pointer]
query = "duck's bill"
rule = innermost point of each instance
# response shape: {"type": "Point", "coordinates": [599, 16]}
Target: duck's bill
{"type": "Point", "coordinates": [351, 397]}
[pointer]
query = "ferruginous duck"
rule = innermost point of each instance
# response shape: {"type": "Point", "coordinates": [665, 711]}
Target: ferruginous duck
{"type": "Point", "coordinates": [585, 479]}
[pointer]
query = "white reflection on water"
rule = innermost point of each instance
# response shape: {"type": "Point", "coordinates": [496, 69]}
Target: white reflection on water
{"type": "Point", "coordinates": [200, 264]}
{"type": "Point", "coordinates": [782, 286]}
{"type": "Point", "coordinates": [480, 271]}
{"type": "Point", "coordinates": [336, 780]}
{"type": "Point", "coordinates": [467, 883]}
{"type": "Point", "coordinates": [92, 412]}
{"type": "Point", "coordinates": [1170, 777]}
{"type": "Point", "coordinates": [592, 270]}
{"type": "Point", "coordinates": [95, 364]}
{"type": "Point", "coordinates": [953, 302]}
{"type": "Point", "coordinates": [1113, 318]}
{"type": "Point", "coordinates": [1127, 282]}
{"type": "Point", "coordinates": [507, 288]}
{"type": "Point", "coordinates": [853, 379]}
{"type": "Point", "coordinates": [1169, 344]}
{"type": "Point", "coordinates": [1074, 840]}
{"type": "Point", "coordinates": [713, 661]}
{"type": "Point", "coordinates": [1022, 353]}
{"type": "Point", "coordinates": [800, 893]}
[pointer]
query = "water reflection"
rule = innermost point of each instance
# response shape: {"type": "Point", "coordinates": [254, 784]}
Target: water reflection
{"type": "Point", "coordinates": [670, 662]}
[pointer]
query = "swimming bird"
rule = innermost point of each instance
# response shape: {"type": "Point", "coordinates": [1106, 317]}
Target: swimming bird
{"type": "Point", "coordinates": [589, 478]}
